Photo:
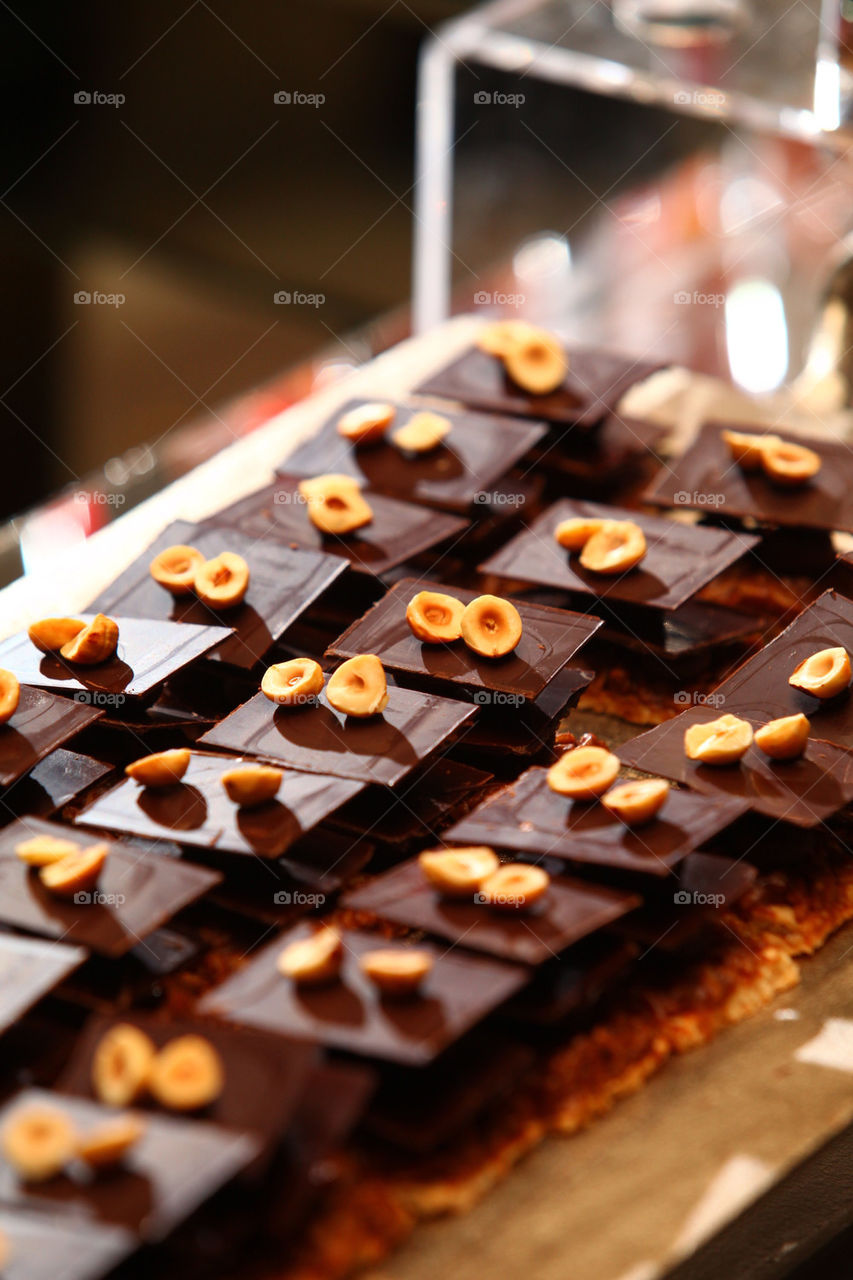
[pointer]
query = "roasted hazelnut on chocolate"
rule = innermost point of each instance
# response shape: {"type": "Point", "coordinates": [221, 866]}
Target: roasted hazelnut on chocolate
{"type": "Point", "coordinates": [747, 449]}
{"type": "Point", "coordinates": [38, 1142]}
{"type": "Point", "coordinates": [435, 618]}
{"type": "Point", "coordinates": [335, 504]}
{"type": "Point", "coordinates": [824, 674]}
{"type": "Point", "coordinates": [252, 784]}
{"type": "Point", "coordinates": [457, 873]}
{"type": "Point", "coordinates": [162, 769]}
{"type": "Point", "coordinates": [222, 583]}
{"type": "Point", "coordinates": [314, 960]}
{"type": "Point", "coordinates": [536, 362]}
{"type": "Point", "coordinates": [491, 626]}
{"type": "Point", "coordinates": [721, 741]}
{"type": "Point", "coordinates": [186, 1074]}
{"type": "Point", "coordinates": [121, 1065]}
{"type": "Point", "coordinates": [96, 643]}
{"type": "Point", "coordinates": [790, 464]}
{"type": "Point", "coordinates": [175, 568]}
{"type": "Point", "coordinates": [575, 533]}
{"type": "Point", "coordinates": [294, 682]}
{"type": "Point", "coordinates": [42, 850]}
{"type": "Point", "coordinates": [10, 695]}
{"type": "Point", "coordinates": [106, 1146]}
{"type": "Point", "coordinates": [637, 802]}
{"type": "Point", "coordinates": [397, 972]}
{"type": "Point", "coordinates": [422, 433]}
{"type": "Point", "coordinates": [584, 773]}
{"type": "Point", "coordinates": [50, 634]}
{"type": "Point", "coordinates": [358, 687]}
{"type": "Point", "coordinates": [616, 547]}
{"type": "Point", "coordinates": [367, 423]}
{"type": "Point", "coordinates": [78, 872]}
{"type": "Point", "coordinates": [785, 738]}
{"type": "Point", "coordinates": [514, 886]}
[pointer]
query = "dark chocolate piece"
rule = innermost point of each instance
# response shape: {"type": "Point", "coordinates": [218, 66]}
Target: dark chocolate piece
{"type": "Point", "coordinates": [573, 982]}
{"type": "Point", "coordinates": [602, 458]}
{"type": "Point", "coordinates": [47, 1246]}
{"type": "Point", "coordinates": [701, 887]}
{"type": "Point", "coordinates": [55, 781]}
{"type": "Point", "coordinates": [42, 722]}
{"type": "Point", "coordinates": [422, 804]}
{"type": "Point", "coordinates": [529, 730]}
{"type": "Point", "coordinates": [29, 970]}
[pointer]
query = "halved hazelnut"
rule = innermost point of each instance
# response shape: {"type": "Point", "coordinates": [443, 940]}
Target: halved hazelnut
{"type": "Point", "coordinates": [294, 682]}
{"type": "Point", "coordinates": [584, 772]}
{"type": "Point", "coordinates": [721, 741]}
{"type": "Point", "coordinates": [187, 1074]}
{"type": "Point", "coordinates": [10, 695]}
{"type": "Point", "coordinates": [785, 738]}
{"type": "Point", "coordinates": [423, 432]}
{"type": "Point", "coordinates": [397, 972]}
{"type": "Point", "coordinates": [513, 886]}
{"type": "Point", "coordinates": [222, 583]}
{"type": "Point", "coordinates": [50, 634]}
{"type": "Point", "coordinates": [38, 1142]}
{"type": "Point", "coordinates": [747, 449]}
{"type": "Point", "coordinates": [252, 784]}
{"type": "Point", "coordinates": [162, 769]}
{"type": "Point", "coordinates": [790, 464]}
{"type": "Point", "coordinates": [314, 960]}
{"type": "Point", "coordinates": [491, 626]}
{"type": "Point", "coordinates": [537, 362]}
{"type": "Point", "coordinates": [176, 567]}
{"type": "Point", "coordinates": [575, 533]}
{"type": "Point", "coordinates": [824, 674]}
{"type": "Point", "coordinates": [457, 873]}
{"type": "Point", "coordinates": [367, 423]}
{"type": "Point", "coordinates": [335, 504]}
{"type": "Point", "coordinates": [76, 873]}
{"type": "Point", "coordinates": [106, 1145]}
{"type": "Point", "coordinates": [435, 618]}
{"type": "Point", "coordinates": [502, 336]}
{"type": "Point", "coordinates": [95, 643]}
{"type": "Point", "coordinates": [121, 1065]}
{"type": "Point", "coordinates": [637, 802]}
{"type": "Point", "coordinates": [358, 687]}
{"type": "Point", "coordinates": [617, 546]}
{"type": "Point", "coordinates": [41, 851]}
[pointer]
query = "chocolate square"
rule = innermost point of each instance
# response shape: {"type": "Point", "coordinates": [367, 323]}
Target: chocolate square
{"type": "Point", "coordinates": [569, 911]}
{"type": "Point", "coordinates": [601, 458]}
{"type": "Point", "coordinates": [55, 781]}
{"type": "Point", "coordinates": [137, 892]}
{"type": "Point", "coordinates": [317, 739]}
{"type": "Point", "coordinates": [351, 1014]}
{"type": "Point", "coordinates": [282, 584]}
{"type": "Point", "coordinates": [679, 561]}
{"type": "Point", "coordinates": [45, 1246]}
{"type": "Point", "coordinates": [42, 722]}
{"type": "Point", "coordinates": [29, 970]}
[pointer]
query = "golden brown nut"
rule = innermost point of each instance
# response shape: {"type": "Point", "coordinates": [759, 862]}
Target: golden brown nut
{"type": "Point", "coordinates": [335, 504]}
{"type": "Point", "coordinates": [617, 546]}
{"type": "Point", "coordinates": [106, 1145]}
{"type": "Point", "coordinates": [721, 741]}
{"type": "Point", "coordinates": [397, 972]}
{"type": "Point", "coordinates": [491, 626]}
{"type": "Point", "coordinates": [95, 643]}
{"type": "Point", "coordinates": [50, 634]}
{"type": "Point", "coordinates": [514, 886]}
{"type": "Point", "coordinates": [42, 850]}
{"type": "Point", "coordinates": [121, 1065]}
{"type": "Point", "coordinates": [176, 567]}
{"type": "Point", "coordinates": [824, 674]}
{"type": "Point", "coordinates": [76, 873]}
{"type": "Point", "coordinates": [575, 533]}
{"type": "Point", "coordinates": [367, 423]}
{"type": "Point", "coordinates": [38, 1142]}
{"type": "Point", "coordinates": [785, 738]}
{"type": "Point", "coordinates": [252, 784]}
{"type": "Point", "coordinates": [314, 960]}
{"type": "Point", "coordinates": [583, 773]}
{"type": "Point", "coordinates": [435, 618]}
{"type": "Point", "coordinates": [358, 687]}
{"type": "Point", "coordinates": [458, 873]}
{"type": "Point", "coordinates": [637, 802]}
{"type": "Point", "coordinates": [501, 336]}
{"type": "Point", "coordinates": [162, 769]}
{"type": "Point", "coordinates": [187, 1074]}
{"type": "Point", "coordinates": [747, 449]}
{"type": "Point", "coordinates": [222, 583]}
{"type": "Point", "coordinates": [537, 362]}
{"type": "Point", "coordinates": [10, 695]}
{"type": "Point", "coordinates": [790, 464]}
{"type": "Point", "coordinates": [423, 432]}
{"type": "Point", "coordinates": [294, 682]}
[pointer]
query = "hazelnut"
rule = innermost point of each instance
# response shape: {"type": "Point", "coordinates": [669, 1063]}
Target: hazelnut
{"type": "Point", "coordinates": [294, 682]}
{"type": "Point", "coordinates": [720, 741]}
{"type": "Point", "coordinates": [121, 1065]}
{"type": "Point", "coordinates": [502, 336]}
{"type": "Point", "coordinates": [397, 972]}
{"type": "Point", "coordinates": [222, 583]}
{"type": "Point", "coordinates": [457, 873]}
{"type": "Point", "coordinates": [785, 738]}
{"type": "Point", "coordinates": [513, 886]}
{"type": "Point", "coordinates": [314, 960]}
{"type": "Point", "coordinates": [335, 504]}
{"type": "Point", "coordinates": [537, 362]}
{"type": "Point", "coordinates": [575, 533]}
{"type": "Point", "coordinates": [95, 643]}
{"type": "Point", "coordinates": [41, 851]}
{"type": "Point", "coordinates": [50, 634]}
{"type": "Point", "coordinates": [747, 449]}
{"type": "Point", "coordinates": [187, 1074]}
{"type": "Point", "coordinates": [251, 785]}
{"type": "Point", "coordinates": [434, 617]}
{"type": "Point", "coordinates": [637, 802]}
{"type": "Point", "coordinates": [176, 567]}
{"type": "Point", "coordinates": [584, 772]}
{"type": "Point", "coordinates": [10, 695]}
{"type": "Point", "coordinates": [358, 687]}
{"type": "Point", "coordinates": [491, 626]}
{"type": "Point", "coordinates": [107, 1144]}
{"type": "Point", "coordinates": [367, 423]}
{"type": "Point", "coordinates": [790, 464]}
{"type": "Point", "coordinates": [614, 548]}
{"type": "Point", "coordinates": [162, 769]}
{"type": "Point", "coordinates": [38, 1142]}
{"type": "Point", "coordinates": [824, 675]}
{"type": "Point", "coordinates": [423, 432]}
{"type": "Point", "coordinates": [76, 873]}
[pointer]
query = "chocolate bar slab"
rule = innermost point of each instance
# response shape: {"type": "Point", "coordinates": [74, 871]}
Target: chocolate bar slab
{"type": "Point", "coordinates": [29, 970]}
{"type": "Point", "coordinates": [421, 805]}
{"type": "Point", "coordinates": [569, 911]}
{"type": "Point", "coordinates": [55, 781]}
{"type": "Point", "coordinates": [679, 561]}
{"type": "Point", "coordinates": [599, 459]}
{"type": "Point", "coordinates": [477, 451]}
{"type": "Point", "coordinates": [47, 1246]}
{"type": "Point", "coordinates": [136, 893]}
{"type": "Point", "coordinates": [351, 1014]}
{"type": "Point", "coordinates": [707, 478]}
{"type": "Point", "coordinates": [398, 532]}
{"type": "Point", "coordinates": [703, 886]}
{"type": "Point", "coordinates": [197, 811]}
{"type": "Point", "coordinates": [549, 639]}
{"type": "Point", "coordinates": [149, 651]}
{"type": "Point", "coordinates": [283, 583]}
{"type": "Point", "coordinates": [42, 722]}
{"type": "Point", "coordinates": [315, 738]}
